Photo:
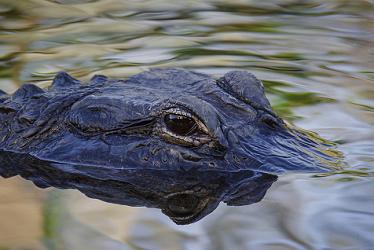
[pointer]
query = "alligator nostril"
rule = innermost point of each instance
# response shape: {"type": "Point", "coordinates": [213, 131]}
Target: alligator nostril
{"type": "Point", "coordinates": [269, 120]}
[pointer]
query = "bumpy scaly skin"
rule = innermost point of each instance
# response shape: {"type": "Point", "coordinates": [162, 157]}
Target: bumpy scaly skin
{"type": "Point", "coordinates": [111, 139]}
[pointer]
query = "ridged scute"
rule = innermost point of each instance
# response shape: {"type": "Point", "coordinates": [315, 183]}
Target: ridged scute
{"type": "Point", "coordinates": [63, 80]}
{"type": "Point", "coordinates": [99, 80]}
{"type": "Point", "coordinates": [26, 91]}
{"type": "Point", "coordinates": [2, 93]}
{"type": "Point", "coordinates": [3, 97]}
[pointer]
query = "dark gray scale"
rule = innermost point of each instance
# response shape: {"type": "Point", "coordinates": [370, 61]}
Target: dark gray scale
{"type": "Point", "coordinates": [63, 80]}
{"type": "Point", "coordinates": [3, 96]}
{"type": "Point", "coordinates": [26, 91]}
{"type": "Point", "coordinates": [99, 80]}
{"type": "Point", "coordinates": [172, 139]}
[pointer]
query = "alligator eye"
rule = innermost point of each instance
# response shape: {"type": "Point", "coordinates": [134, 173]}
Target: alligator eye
{"type": "Point", "coordinates": [180, 124]}
{"type": "Point", "coordinates": [183, 205]}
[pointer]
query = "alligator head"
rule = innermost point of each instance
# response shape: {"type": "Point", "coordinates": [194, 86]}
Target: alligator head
{"type": "Point", "coordinates": [171, 139]}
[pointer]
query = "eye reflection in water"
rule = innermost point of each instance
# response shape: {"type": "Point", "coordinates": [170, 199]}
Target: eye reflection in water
{"type": "Point", "coordinates": [185, 196]}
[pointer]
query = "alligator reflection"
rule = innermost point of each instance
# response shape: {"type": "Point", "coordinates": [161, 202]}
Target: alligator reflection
{"type": "Point", "coordinates": [186, 196]}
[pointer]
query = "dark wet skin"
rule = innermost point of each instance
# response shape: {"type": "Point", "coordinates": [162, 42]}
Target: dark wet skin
{"type": "Point", "coordinates": [172, 139]}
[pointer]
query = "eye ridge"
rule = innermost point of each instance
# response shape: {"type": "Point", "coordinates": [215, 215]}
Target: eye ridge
{"type": "Point", "coordinates": [180, 124]}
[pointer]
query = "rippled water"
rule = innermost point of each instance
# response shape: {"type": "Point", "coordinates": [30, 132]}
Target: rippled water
{"type": "Point", "coordinates": [316, 59]}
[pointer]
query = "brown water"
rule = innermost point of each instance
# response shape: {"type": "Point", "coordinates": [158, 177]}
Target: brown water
{"type": "Point", "coordinates": [316, 59]}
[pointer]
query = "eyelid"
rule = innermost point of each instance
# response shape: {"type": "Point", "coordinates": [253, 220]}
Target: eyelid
{"type": "Point", "coordinates": [180, 111]}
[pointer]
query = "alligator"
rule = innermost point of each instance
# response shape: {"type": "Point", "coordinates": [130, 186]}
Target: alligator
{"type": "Point", "coordinates": [167, 138]}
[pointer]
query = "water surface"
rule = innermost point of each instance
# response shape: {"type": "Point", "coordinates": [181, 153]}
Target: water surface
{"type": "Point", "coordinates": [316, 60]}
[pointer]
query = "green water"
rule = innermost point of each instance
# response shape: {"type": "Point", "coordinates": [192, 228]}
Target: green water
{"type": "Point", "coordinates": [315, 58]}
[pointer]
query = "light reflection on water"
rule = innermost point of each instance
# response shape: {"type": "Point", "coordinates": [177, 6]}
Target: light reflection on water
{"type": "Point", "coordinates": [315, 59]}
